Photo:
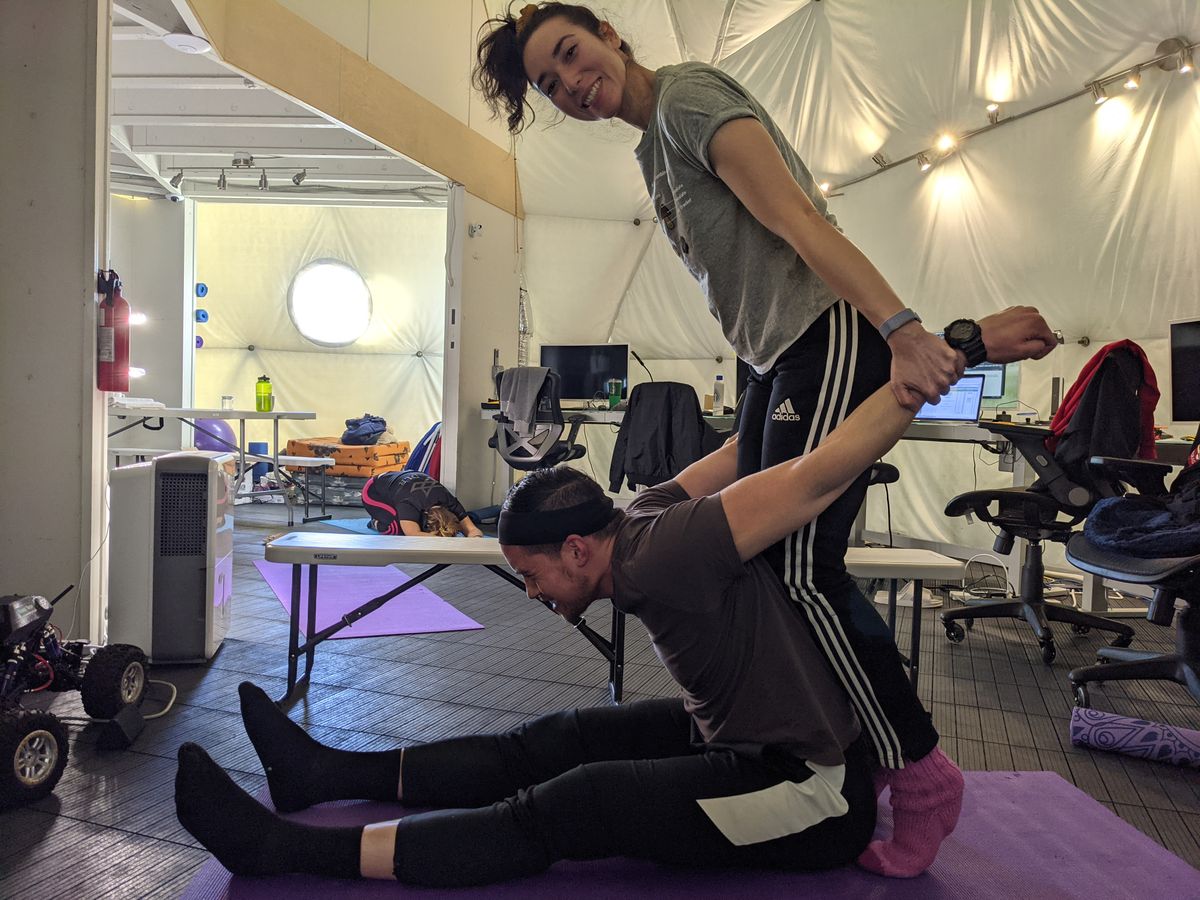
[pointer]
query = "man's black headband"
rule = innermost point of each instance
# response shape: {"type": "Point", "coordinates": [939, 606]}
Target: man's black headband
{"type": "Point", "coordinates": [528, 529]}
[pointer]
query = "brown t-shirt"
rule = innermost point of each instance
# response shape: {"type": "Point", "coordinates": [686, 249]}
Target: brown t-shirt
{"type": "Point", "coordinates": [743, 654]}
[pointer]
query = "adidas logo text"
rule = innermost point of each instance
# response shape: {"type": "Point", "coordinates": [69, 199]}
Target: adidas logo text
{"type": "Point", "coordinates": [785, 412]}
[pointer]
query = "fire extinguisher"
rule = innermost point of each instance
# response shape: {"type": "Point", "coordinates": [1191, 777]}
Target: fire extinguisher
{"type": "Point", "coordinates": [112, 335]}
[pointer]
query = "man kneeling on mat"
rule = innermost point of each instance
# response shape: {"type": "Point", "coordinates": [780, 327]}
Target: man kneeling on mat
{"type": "Point", "coordinates": [758, 764]}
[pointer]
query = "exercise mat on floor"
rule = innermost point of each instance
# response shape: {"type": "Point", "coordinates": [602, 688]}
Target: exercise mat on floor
{"type": "Point", "coordinates": [1030, 835]}
{"type": "Point", "coordinates": [358, 526]}
{"type": "Point", "coordinates": [341, 589]}
{"type": "Point", "coordinates": [1135, 737]}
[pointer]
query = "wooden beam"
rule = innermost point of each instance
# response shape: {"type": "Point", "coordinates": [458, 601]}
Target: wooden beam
{"type": "Point", "coordinates": [273, 45]}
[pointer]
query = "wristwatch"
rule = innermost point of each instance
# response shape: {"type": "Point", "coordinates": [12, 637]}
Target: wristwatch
{"type": "Point", "coordinates": [966, 335]}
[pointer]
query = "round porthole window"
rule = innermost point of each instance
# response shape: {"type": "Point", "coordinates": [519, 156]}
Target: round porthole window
{"type": "Point", "coordinates": [329, 303]}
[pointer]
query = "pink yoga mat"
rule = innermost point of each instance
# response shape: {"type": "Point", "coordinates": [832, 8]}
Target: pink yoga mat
{"type": "Point", "coordinates": [341, 589]}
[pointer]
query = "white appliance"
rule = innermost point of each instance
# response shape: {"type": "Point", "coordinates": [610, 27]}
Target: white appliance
{"type": "Point", "coordinates": [171, 554]}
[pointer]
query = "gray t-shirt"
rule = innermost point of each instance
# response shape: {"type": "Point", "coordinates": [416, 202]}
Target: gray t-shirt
{"type": "Point", "coordinates": [750, 671]}
{"type": "Point", "coordinates": [761, 291]}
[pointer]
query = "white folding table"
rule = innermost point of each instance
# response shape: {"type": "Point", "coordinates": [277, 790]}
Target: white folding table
{"type": "Point", "coordinates": [147, 414]}
{"type": "Point", "coordinates": [316, 549]}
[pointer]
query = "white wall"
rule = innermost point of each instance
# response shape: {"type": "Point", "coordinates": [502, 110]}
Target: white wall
{"type": "Point", "coordinates": [149, 249]}
{"type": "Point", "coordinates": [427, 46]}
{"type": "Point", "coordinates": [53, 165]}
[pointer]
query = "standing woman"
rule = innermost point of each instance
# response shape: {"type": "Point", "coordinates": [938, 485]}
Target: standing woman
{"type": "Point", "coordinates": [805, 308]}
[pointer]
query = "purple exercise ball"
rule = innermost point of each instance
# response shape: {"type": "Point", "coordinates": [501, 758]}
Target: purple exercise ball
{"type": "Point", "coordinates": [218, 427]}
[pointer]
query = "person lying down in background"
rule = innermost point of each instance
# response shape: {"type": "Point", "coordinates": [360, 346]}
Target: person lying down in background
{"type": "Point", "coordinates": [413, 503]}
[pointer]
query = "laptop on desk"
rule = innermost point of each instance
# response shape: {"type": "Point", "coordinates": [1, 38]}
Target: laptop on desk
{"type": "Point", "coordinates": [962, 405]}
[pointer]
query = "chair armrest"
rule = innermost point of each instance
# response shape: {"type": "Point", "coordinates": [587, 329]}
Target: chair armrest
{"type": "Point", "coordinates": [1013, 430]}
{"type": "Point", "coordinates": [1148, 476]}
{"type": "Point", "coordinates": [978, 503]}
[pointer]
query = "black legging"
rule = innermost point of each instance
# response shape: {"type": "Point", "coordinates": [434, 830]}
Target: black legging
{"type": "Point", "coordinates": [602, 782]}
{"type": "Point", "coordinates": [787, 411]}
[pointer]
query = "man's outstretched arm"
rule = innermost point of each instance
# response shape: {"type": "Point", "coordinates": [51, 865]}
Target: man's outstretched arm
{"type": "Point", "coordinates": [766, 507]}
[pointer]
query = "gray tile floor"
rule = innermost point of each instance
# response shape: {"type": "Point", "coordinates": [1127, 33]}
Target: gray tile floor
{"type": "Point", "coordinates": [109, 830]}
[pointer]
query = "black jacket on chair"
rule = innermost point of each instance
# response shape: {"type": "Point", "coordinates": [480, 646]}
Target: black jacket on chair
{"type": "Point", "coordinates": [663, 433]}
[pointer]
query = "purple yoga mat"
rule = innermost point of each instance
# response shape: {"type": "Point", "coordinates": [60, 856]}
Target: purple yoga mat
{"type": "Point", "coordinates": [341, 589]}
{"type": "Point", "coordinates": [1135, 737]}
{"type": "Point", "coordinates": [1022, 834]}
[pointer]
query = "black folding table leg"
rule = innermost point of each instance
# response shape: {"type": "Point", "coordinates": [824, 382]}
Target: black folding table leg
{"type": "Point", "coordinates": [916, 632]}
{"type": "Point", "coordinates": [293, 633]}
{"type": "Point", "coordinates": [310, 653]}
{"type": "Point", "coordinates": [616, 665]}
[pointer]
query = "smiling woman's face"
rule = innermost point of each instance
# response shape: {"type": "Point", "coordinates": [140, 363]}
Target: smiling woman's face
{"type": "Point", "coordinates": [582, 75]}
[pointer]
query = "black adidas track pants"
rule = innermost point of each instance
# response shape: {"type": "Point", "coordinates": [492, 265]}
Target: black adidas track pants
{"type": "Point", "coordinates": [787, 411]}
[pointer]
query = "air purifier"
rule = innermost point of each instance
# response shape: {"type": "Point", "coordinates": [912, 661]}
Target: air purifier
{"type": "Point", "coordinates": [171, 555]}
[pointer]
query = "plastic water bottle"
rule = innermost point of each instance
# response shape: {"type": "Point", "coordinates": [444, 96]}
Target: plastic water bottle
{"type": "Point", "coordinates": [264, 401]}
{"type": "Point", "coordinates": [719, 396]}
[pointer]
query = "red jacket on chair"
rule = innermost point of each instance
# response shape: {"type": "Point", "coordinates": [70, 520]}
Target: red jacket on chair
{"type": "Point", "coordinates": [1148, 395]}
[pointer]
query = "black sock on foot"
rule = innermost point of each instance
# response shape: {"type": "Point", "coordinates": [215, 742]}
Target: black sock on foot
{"type": "Point", "coordinates": [301, 771]}
{"type": "Point", "coordinates": [245, 836]}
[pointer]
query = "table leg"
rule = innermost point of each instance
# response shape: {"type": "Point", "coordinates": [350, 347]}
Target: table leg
{"type": "Point", "coordinates": [892, 585]}
{"type": "Point", "coordinates": [916, 633]}
{"type": "Point", "coordinates": [293, 633]}
{"type": "Point", "coordinates": [311, 648]}
{"type": "Point", "coordinates": [616, 666]}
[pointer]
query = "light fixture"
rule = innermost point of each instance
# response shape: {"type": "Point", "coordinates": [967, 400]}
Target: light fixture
{"type": "Point", "coordinates": [137, 318]}
{"type": "Point", "coordinates": [880, 159]}
{"type": "Point", "coordinates": [946, 142]}
{"type": "Point", "coordinates": [1185, 60]}
{"type": "Point", "coordinates": [137, 372]}
{"type": "Point", "coordinates": [1098, 93]}
{"type": "Point", "coordinates": [923, 162]}
{"type": "Point", "coordinates": [262, 180]}
{"type": "Point", "coordinates": [993, 113]}
{"type": "Point", "coordinates": [824, 186]}
{"type": "Point", "coordinates": [186, 43]}
{"type": "Point", "coordinates": [299, 177]}
{"type": "Point", "coordinates": [177, 179]}
{"type": "Point", "coordinates": [993, 107]}
{"type": "Point", "coordinates": [1134, 80]}
{"type": "Point", "coordinates": [222, 184]}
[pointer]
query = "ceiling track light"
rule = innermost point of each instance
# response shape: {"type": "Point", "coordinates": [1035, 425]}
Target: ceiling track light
{"type": "Point", "coordinates": [1099, 95]}
{"type": "Point", "coordinates": [880, 159]}
{"type": "Point", "coordinates": [262, 180]}
{"type": "Point", "coordinates": [946, 143]}
{"type": "Point", "coordinates": [222, 184]}
{"type": "Point", "coordinates": [924, 162]}
{"type": "Point", "coordinates": [993, 113]}
{"type": "Point", "coordinates": [1185, 60]}
{"type": "Point", "coordinates": [177, 179]}
{"type": "Point", "coordinates": [1134, 80]}
{"type": "Point", "coordinates": [299, 177]}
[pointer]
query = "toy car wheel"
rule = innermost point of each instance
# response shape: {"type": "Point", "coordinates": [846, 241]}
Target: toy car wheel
{"type": "Point", "coordinates": [33, 754]}
{"type": "Point", "coordinates": [115, 678]}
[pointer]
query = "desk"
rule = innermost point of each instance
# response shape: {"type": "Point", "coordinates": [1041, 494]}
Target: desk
{"type": "Point", "coordinates": [146, 414]}
{"type": "Point", "coordinates": [314, 549]}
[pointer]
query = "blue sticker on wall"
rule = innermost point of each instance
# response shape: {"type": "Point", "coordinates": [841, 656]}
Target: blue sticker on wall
{"type": "Point", "coordinates": [201, 289]}
{"type": "Point", "coordinates": [202, 315]}
{"type": "Point", "coordinates": [199, 342]}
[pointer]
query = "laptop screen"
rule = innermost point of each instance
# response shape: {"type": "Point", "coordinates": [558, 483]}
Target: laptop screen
{"type": "Point", "coordinates": [962, 404]}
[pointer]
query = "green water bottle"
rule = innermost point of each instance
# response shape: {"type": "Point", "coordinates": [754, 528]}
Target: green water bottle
{"type": "Point", "coordinates": [264, 400]}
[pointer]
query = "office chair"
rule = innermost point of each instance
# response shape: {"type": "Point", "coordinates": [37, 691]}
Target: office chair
{"type": "Point", "coordinates": [1172, 578]}
{"type": "Point", "coordinates": [1107, 419]}
{"type": "Point", "coordinates": [544, 446]}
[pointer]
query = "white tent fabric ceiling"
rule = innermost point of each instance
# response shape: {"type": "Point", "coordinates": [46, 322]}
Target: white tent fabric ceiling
{"type": "Point", "coordinates": [1087, 212]}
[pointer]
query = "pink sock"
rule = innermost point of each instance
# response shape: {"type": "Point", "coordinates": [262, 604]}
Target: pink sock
{"type": "Point", "coordinates": [926, 800]}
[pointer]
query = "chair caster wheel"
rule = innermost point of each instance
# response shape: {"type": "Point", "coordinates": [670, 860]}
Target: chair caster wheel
{"type": "Point", "coordinates": [970, 623]}
{"type": "Point", "coordinates": [1121, 640]}
{"type": "Point", "coordinates": [1081, 629]}
{"type": "Point", "coordinates": [1048, 652]}
{"type": "Point", "coordinates": [955, 632]}
{"type": "Point", "coordinates": [1082, 700]}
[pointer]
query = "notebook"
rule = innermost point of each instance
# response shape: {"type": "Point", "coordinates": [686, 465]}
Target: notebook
{"type": "Point", "coordinates": [962, 404]}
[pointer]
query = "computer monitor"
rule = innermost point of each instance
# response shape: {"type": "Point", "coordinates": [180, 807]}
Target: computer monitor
{"type": "Point", "coordinates": [1185, 371]}
{"type": "Point", "coordinates": [962, 404]}
{"type": "Point", "coordinates": [584, 369]}
{"type": "Point", "coordinates": [993, 378]}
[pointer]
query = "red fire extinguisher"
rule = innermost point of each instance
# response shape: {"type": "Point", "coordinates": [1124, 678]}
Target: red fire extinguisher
{"type": "Point", "coordinates": [112, 335]}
